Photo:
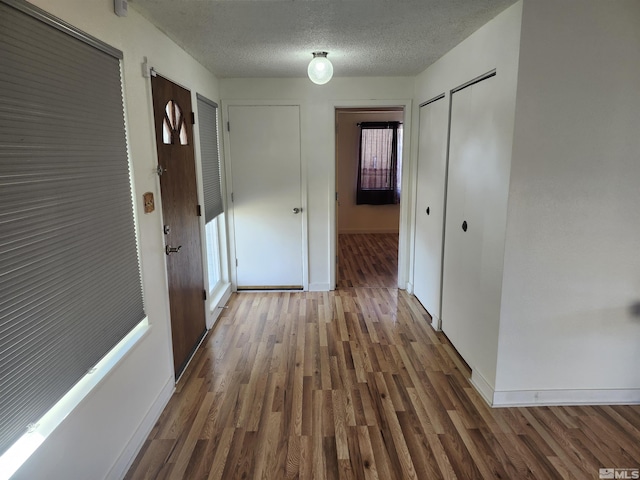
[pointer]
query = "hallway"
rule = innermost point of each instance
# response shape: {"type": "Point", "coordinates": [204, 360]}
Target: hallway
{"type": "Point", "coordinates": [355, 384]}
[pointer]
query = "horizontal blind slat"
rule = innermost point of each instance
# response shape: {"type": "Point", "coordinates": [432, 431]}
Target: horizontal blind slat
{"type": "Point", "coordinates": [208, 128]}
{"type": "Point", "coordinates": [70, 284]}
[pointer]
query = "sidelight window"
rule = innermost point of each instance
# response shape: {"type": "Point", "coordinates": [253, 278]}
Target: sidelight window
{"type": "Point", "coordinates": [212, 187]}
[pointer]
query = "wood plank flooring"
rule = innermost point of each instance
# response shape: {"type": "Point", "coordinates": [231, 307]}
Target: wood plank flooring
{"type": "Point", "coordinates": [368, 260]}
{"type": "Point", "coordinates": [354, 384]}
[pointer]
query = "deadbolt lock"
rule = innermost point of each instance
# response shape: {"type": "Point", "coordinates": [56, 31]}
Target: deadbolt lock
{"type": "Point", "coordinates": [169, 249]}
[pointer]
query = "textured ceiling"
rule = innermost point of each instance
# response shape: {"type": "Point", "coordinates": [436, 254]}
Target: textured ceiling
{"type": "Point", "coordinates": [275, 38]}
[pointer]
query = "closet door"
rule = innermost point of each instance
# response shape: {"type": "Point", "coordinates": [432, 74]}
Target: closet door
{"type": "Point", "coordinates": [268, 225]}
{"type": "Point", "coordinates": [431, 178]}
{"type": "Point", "coordinates": [474, 242]}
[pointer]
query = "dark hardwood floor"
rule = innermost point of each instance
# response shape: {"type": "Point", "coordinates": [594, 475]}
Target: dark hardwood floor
{"type": "Point", "coordinates": [355, 384]}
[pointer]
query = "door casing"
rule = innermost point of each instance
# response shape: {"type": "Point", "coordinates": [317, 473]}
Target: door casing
{"type": "Point", "coordinates": [405, 242]}
{"type": "Point", "coordinates": [343, 195]}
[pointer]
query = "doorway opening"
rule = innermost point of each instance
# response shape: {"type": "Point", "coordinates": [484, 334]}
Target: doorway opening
{"type": "Point", "coordinates": [368, 194]}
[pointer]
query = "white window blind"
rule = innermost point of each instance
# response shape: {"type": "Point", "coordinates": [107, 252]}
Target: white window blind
{"type": "Point", "coordinates": [69, 274]}
{"type": "Point", "coordinates": [208, 130]}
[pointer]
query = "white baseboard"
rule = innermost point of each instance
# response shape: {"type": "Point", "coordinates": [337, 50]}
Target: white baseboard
{"type": "Point", "coordinates": [368, 230]}
{"type": "Point", "coordinates": [130, 451]}
{"type": "Point", "coordinates": [530, 398]}
{"type": "Point", "coordinates": [547, 398]}
{"type": "Point", "coordinates": [482, 386]}
{"type": "Point", "coordinates": [319, 287]}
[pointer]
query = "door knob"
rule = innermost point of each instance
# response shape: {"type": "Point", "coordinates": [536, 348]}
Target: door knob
{"type": "Point", "coordinates": [297, 210]}
{"type": "Point", "coordinates": [428, 210]}
{"type": "Point", "coordinates": [169, 249]}
{"type": "Point", "coordinates": [464, 226]}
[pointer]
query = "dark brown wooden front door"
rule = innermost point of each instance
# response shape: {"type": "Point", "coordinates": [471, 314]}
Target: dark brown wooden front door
{"type": "Point", "coordinates": [180, 210]}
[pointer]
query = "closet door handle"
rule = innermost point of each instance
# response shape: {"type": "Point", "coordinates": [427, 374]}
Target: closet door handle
{"type": "Point", "coordinates": [464, 226]}
{"type": "Point", "coordinates": [428, 210]}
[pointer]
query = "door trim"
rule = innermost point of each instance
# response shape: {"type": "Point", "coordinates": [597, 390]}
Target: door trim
{"type": "Point", "coordinates": [228, 179]}
{"type": "Point", "coordinates": [405, 241]}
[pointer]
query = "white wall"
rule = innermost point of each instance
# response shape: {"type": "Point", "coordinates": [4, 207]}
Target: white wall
{"type": "Point", "coordinates": [317, 109]}
{"type": "Point", "coordinates": [100, 437]}
{"type": "Point", "coordinates": [572, 261]}
{"type": "Point", "coordinates": [495, 45]}
{"type": "Point", "coordinates": [571, 267]}
{"type": "Point", "coordinates": [353, 218]}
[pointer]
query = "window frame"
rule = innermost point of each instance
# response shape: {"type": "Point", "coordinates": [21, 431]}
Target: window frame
{"type": "Point", "coordinates": [380, 196]}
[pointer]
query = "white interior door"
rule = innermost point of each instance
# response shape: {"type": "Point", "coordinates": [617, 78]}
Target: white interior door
{"type": "Point", "coordinates": [470, 253]}
{"type": "Point", "coordinates": [264, 146]}
{"type": "Point", "coordinates": [432, 165]}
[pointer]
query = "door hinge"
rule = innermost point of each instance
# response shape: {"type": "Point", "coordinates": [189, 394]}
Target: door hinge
{"type": "Point", "coordinates": [193, 118]}
{"type": "Point", "coordinates": [228, 127]}
{"type": "Point", "coordinates": [336, 196]}
{"type": "Point", "coordinates": [198, 210]}
{"type": "Point", "coordinates": [204, 294]}
{"type": "Point", "coordinates": [236, 262]}
{"type": "Point", "coordinates": [231, 197]}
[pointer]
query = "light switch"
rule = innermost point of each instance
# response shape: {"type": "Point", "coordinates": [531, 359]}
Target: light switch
{"type": "Point", "coordinates": [148, 202]}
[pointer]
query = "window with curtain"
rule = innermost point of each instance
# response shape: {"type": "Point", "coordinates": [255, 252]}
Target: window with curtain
{"type": "Point", "coordinates": [380, 163]}
{"type": "Point", "coordinates": [70, 287]}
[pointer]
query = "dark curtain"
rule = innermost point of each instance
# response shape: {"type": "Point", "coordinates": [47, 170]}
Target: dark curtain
{"type": "Point", "coordinates": [378, 164]}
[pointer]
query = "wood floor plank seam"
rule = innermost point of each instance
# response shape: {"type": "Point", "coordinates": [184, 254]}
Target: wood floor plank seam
{"type": "Point", "coordinates": [356, 384]}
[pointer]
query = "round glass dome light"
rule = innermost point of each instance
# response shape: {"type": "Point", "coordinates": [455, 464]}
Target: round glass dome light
{"type": "Point", "coordinates": [320, 69]}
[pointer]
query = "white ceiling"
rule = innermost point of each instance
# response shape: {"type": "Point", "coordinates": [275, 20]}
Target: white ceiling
{"type": "Point", "coordinates": [275, 38]}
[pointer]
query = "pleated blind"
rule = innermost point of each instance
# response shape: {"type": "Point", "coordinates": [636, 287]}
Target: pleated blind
{"type": "Point", "coordinates": [208, 129]}
{"type": "Point", "coordinates": [70, 285]}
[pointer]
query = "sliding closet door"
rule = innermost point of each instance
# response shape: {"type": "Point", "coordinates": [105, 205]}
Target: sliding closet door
{"type": "Point", "coordinates": [462, 254]}
{"type": "Point", "coordinates": [431, 178]}
{"type": "Point", "coordinates": [478, 176]}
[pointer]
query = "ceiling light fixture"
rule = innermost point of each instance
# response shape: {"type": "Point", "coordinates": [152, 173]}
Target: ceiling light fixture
{"type": "Point", "coordinates": [320, 69]}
